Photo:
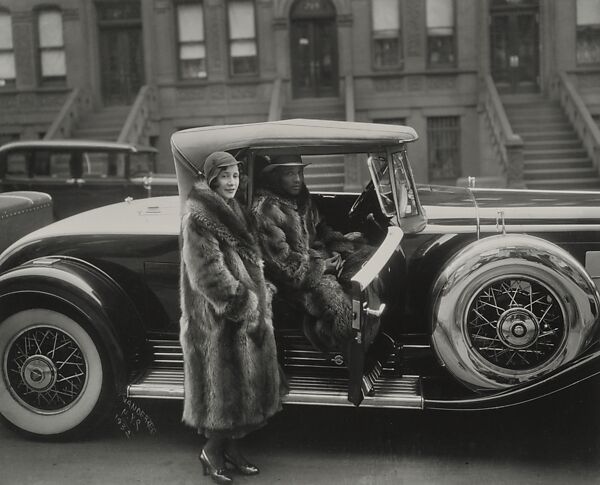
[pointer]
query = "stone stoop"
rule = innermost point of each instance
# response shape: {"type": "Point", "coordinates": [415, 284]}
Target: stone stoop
{"type": "Point", "coordinates": [553, 156]}
{"type": "Point", "coordinates": [104, 124]}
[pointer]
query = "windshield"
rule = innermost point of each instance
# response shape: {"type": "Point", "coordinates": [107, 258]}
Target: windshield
{"type": "Point", "coordinates": [380, 174]}
{"type": "Point", "coordinates": [407, 201]}
{"type": "Point", "coordinates": [141, 163]}
{"type": "Point", "coordinates": [396, 191]}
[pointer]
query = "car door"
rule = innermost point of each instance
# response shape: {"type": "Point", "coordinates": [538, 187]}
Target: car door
{"type": "Point", "coordinates": [51, 172]}
{"type": "Point", "coordinates": [367, 310]}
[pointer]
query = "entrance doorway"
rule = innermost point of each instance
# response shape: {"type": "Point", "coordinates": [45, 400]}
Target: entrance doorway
{"type": "Point", "coordinates": [514, 40]}
{"type": "Point", "coordinates": [121, 50]}
{"type": "Point", "coordinates": [314, 49]}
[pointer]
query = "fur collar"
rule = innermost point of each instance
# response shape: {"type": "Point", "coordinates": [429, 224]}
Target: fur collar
{"type": "Point", "coordinates": [299, 202]}
{"type": "Point", "coordinates": [225, 220]}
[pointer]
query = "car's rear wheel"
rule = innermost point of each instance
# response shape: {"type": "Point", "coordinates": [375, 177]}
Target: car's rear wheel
{"type": "Point", "coordinates": [54, 379]}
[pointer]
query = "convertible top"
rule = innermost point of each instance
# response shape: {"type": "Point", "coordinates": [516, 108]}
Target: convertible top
{"type": "Point", "coordinates": [191, 147]}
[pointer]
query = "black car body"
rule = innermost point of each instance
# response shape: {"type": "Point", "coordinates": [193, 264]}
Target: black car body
{"type": "Point", "coordinates": [82, 174]}
{"type": "Point", "coordinates": [486, 298]}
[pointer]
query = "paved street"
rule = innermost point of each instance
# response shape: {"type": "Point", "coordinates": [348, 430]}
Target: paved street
{"type": "Point", "coordinates": [559, 443]}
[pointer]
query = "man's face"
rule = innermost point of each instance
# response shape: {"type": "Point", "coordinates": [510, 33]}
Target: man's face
{"type": "Point", "coordinates": [291, 179]}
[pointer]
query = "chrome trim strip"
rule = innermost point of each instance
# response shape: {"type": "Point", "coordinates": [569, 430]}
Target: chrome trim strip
{"type": "Point", "coordinates": [510, 228]}
{"type": "Point", "coordinates": [371, 269]}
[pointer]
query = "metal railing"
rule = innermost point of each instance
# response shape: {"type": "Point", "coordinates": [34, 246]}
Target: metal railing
{"type": "Point", "coordinates": [507, 145]}
{"type": "Point", "coordinates": [578, 115]}
{"type": "Point", "coordinates": [139, 116]}
{"type": "Point", "coordinates": [77, 103]}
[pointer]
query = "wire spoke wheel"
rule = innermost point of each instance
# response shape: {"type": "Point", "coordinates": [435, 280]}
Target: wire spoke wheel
{"type": "Point", "coordinates": [515, 323]}
{"type": "Point", "coordinates": [54, 382]}
{"type": "Point", "coordinates": [46, 369]}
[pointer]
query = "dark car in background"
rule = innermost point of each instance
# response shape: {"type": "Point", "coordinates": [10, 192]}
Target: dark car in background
{"type": "Point", "coordinates": [82, 175]}
{"type": "Point", "coordinates": [474, 298]}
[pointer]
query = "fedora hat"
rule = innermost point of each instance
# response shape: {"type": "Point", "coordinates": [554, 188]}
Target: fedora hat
{"type": "Point", "coordinates": [284, 161]}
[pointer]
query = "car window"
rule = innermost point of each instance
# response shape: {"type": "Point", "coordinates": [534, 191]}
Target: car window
{"type": "Point", "coordinates": [51, 164]}
{"type": "Point", "coordinates": [101, 165]}
{"type": "Point", "coordinates": [141, 164]}
{"type": "Point", "coordinates": [16, 164]}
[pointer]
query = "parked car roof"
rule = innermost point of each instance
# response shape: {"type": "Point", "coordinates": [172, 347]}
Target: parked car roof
{"type": "Point", "coordinates": [84, 144]}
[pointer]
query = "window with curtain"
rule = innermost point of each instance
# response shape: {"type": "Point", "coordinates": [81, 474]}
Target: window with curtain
{"type": "Point", "coordinates": [243, 56]}
{"type": "Point", "coordinates": [443, 146]}
{"type": "Point", "coordinates": [7, 54]}
{"type": "Point", "coordinates": [588, 31]}
{"type": "Point", "coordinates": [53, 67]}
{"type": "Point", "coordinates": [192, 49]}
{"type": "Point", "coordinates": [387, 33]}
{"type": "Point", "coordinates": [441, 44]}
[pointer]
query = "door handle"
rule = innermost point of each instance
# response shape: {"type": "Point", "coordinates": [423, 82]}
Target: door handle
{"type": "Point", "coordinates": [375, 313]}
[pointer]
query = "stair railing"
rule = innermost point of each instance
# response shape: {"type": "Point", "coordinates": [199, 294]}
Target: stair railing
{"type": "Point", "coordinates": [276, 102]}
{"type": "Point", "coordinates": [77, 103]}
{"type": "Point", "coordinates": [507, 145]}
{"type": "Point", "coordinates": [579, 116]}
{"type": "Point", "coordinates": [349, 97]}
{"type": "Point", "coordinates": [139, 116]}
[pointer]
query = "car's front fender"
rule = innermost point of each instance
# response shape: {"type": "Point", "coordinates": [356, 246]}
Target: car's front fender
{"type": "Point", "coordinates": [89, 293]}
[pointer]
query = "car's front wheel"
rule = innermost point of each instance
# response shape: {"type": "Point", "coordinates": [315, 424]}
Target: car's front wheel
{"type": "Point", "coordinates": [54, 382]}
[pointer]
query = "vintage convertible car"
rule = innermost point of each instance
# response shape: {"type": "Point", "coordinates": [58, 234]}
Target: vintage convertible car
{"type": "Point", "coordinates": [485, 298]}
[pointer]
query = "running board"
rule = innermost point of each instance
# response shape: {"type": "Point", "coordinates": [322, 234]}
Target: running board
{"type": "Point", "coordinates": [386, 392]}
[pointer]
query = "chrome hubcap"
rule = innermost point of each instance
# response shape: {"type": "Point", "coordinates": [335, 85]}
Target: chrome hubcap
{"type": "Point", "coordinates": [39, 373]}
{"type": "Point", "coordinates": [518, 328]}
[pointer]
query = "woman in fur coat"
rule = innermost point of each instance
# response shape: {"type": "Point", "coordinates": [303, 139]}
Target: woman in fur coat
{"type": "Point", "coordinates": [303, 255]}
{"type": "Point", "coordinates": [232, 379]}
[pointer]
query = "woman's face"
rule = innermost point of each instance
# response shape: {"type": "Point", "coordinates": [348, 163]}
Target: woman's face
{"type": "Point", "coordinates": [227, 182]}
{"type": "Point", "coordinates": [291, 179]}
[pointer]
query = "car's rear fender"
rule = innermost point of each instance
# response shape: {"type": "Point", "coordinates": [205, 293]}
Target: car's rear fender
{"type": "Point", "coordinates": [86, 291]}
{"type": "Point", "coordinates": [575, 372]}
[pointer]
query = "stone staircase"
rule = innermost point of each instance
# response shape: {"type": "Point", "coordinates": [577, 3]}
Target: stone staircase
{"type": "Point", "coordinates": [554, 157]}
{"type": "Point", "coordinates": [325, 173]}
{"type": "Point", "coordinates": [103, 124]}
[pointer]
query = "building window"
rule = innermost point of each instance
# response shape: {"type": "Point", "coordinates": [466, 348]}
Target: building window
{"type": "Point", "coordinates": [440, 33]}
{"type": "Point", "coordinates": [588, 31]}
{"type": "Point", "coordinates": [192, 50]}
{"type": "Point", "coordinates": [7, 54]}
{"type": "Point", "coordinates": [443, 141]}
{"type": "Point", "coordinates": [53, 67]}
{"type": "Point", "coordinates": [387, 38]}
{"type": "Point", "coordinates": [242, 38]}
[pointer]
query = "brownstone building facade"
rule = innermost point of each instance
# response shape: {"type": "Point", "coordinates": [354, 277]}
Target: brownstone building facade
{"type": "Point", "coordinates": [458, 71]}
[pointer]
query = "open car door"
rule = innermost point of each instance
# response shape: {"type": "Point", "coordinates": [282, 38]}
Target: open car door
{"type": "Point", "coordinates": [367, 310]}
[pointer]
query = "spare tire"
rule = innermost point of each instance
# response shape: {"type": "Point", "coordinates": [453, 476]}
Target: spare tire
{"type": "Point", "coordinates": [510, 308]}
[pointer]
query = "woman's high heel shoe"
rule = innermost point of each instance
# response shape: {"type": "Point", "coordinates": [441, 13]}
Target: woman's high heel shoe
{"type": "Point", "coordinates": [244, 467]}
{"type": "Point", "coordinates": [218, 475]}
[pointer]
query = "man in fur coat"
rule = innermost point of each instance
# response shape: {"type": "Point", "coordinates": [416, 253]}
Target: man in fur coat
{"type": "Point", "coordinates": [232, 379]}
{"type": "Point", "coordinates": [302, 253]}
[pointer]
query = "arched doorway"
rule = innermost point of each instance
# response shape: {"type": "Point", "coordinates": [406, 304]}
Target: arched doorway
{"type": "Point", "coordinates": [314, 56]}
{"type": "Point", "coordinates": [515, 49]}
